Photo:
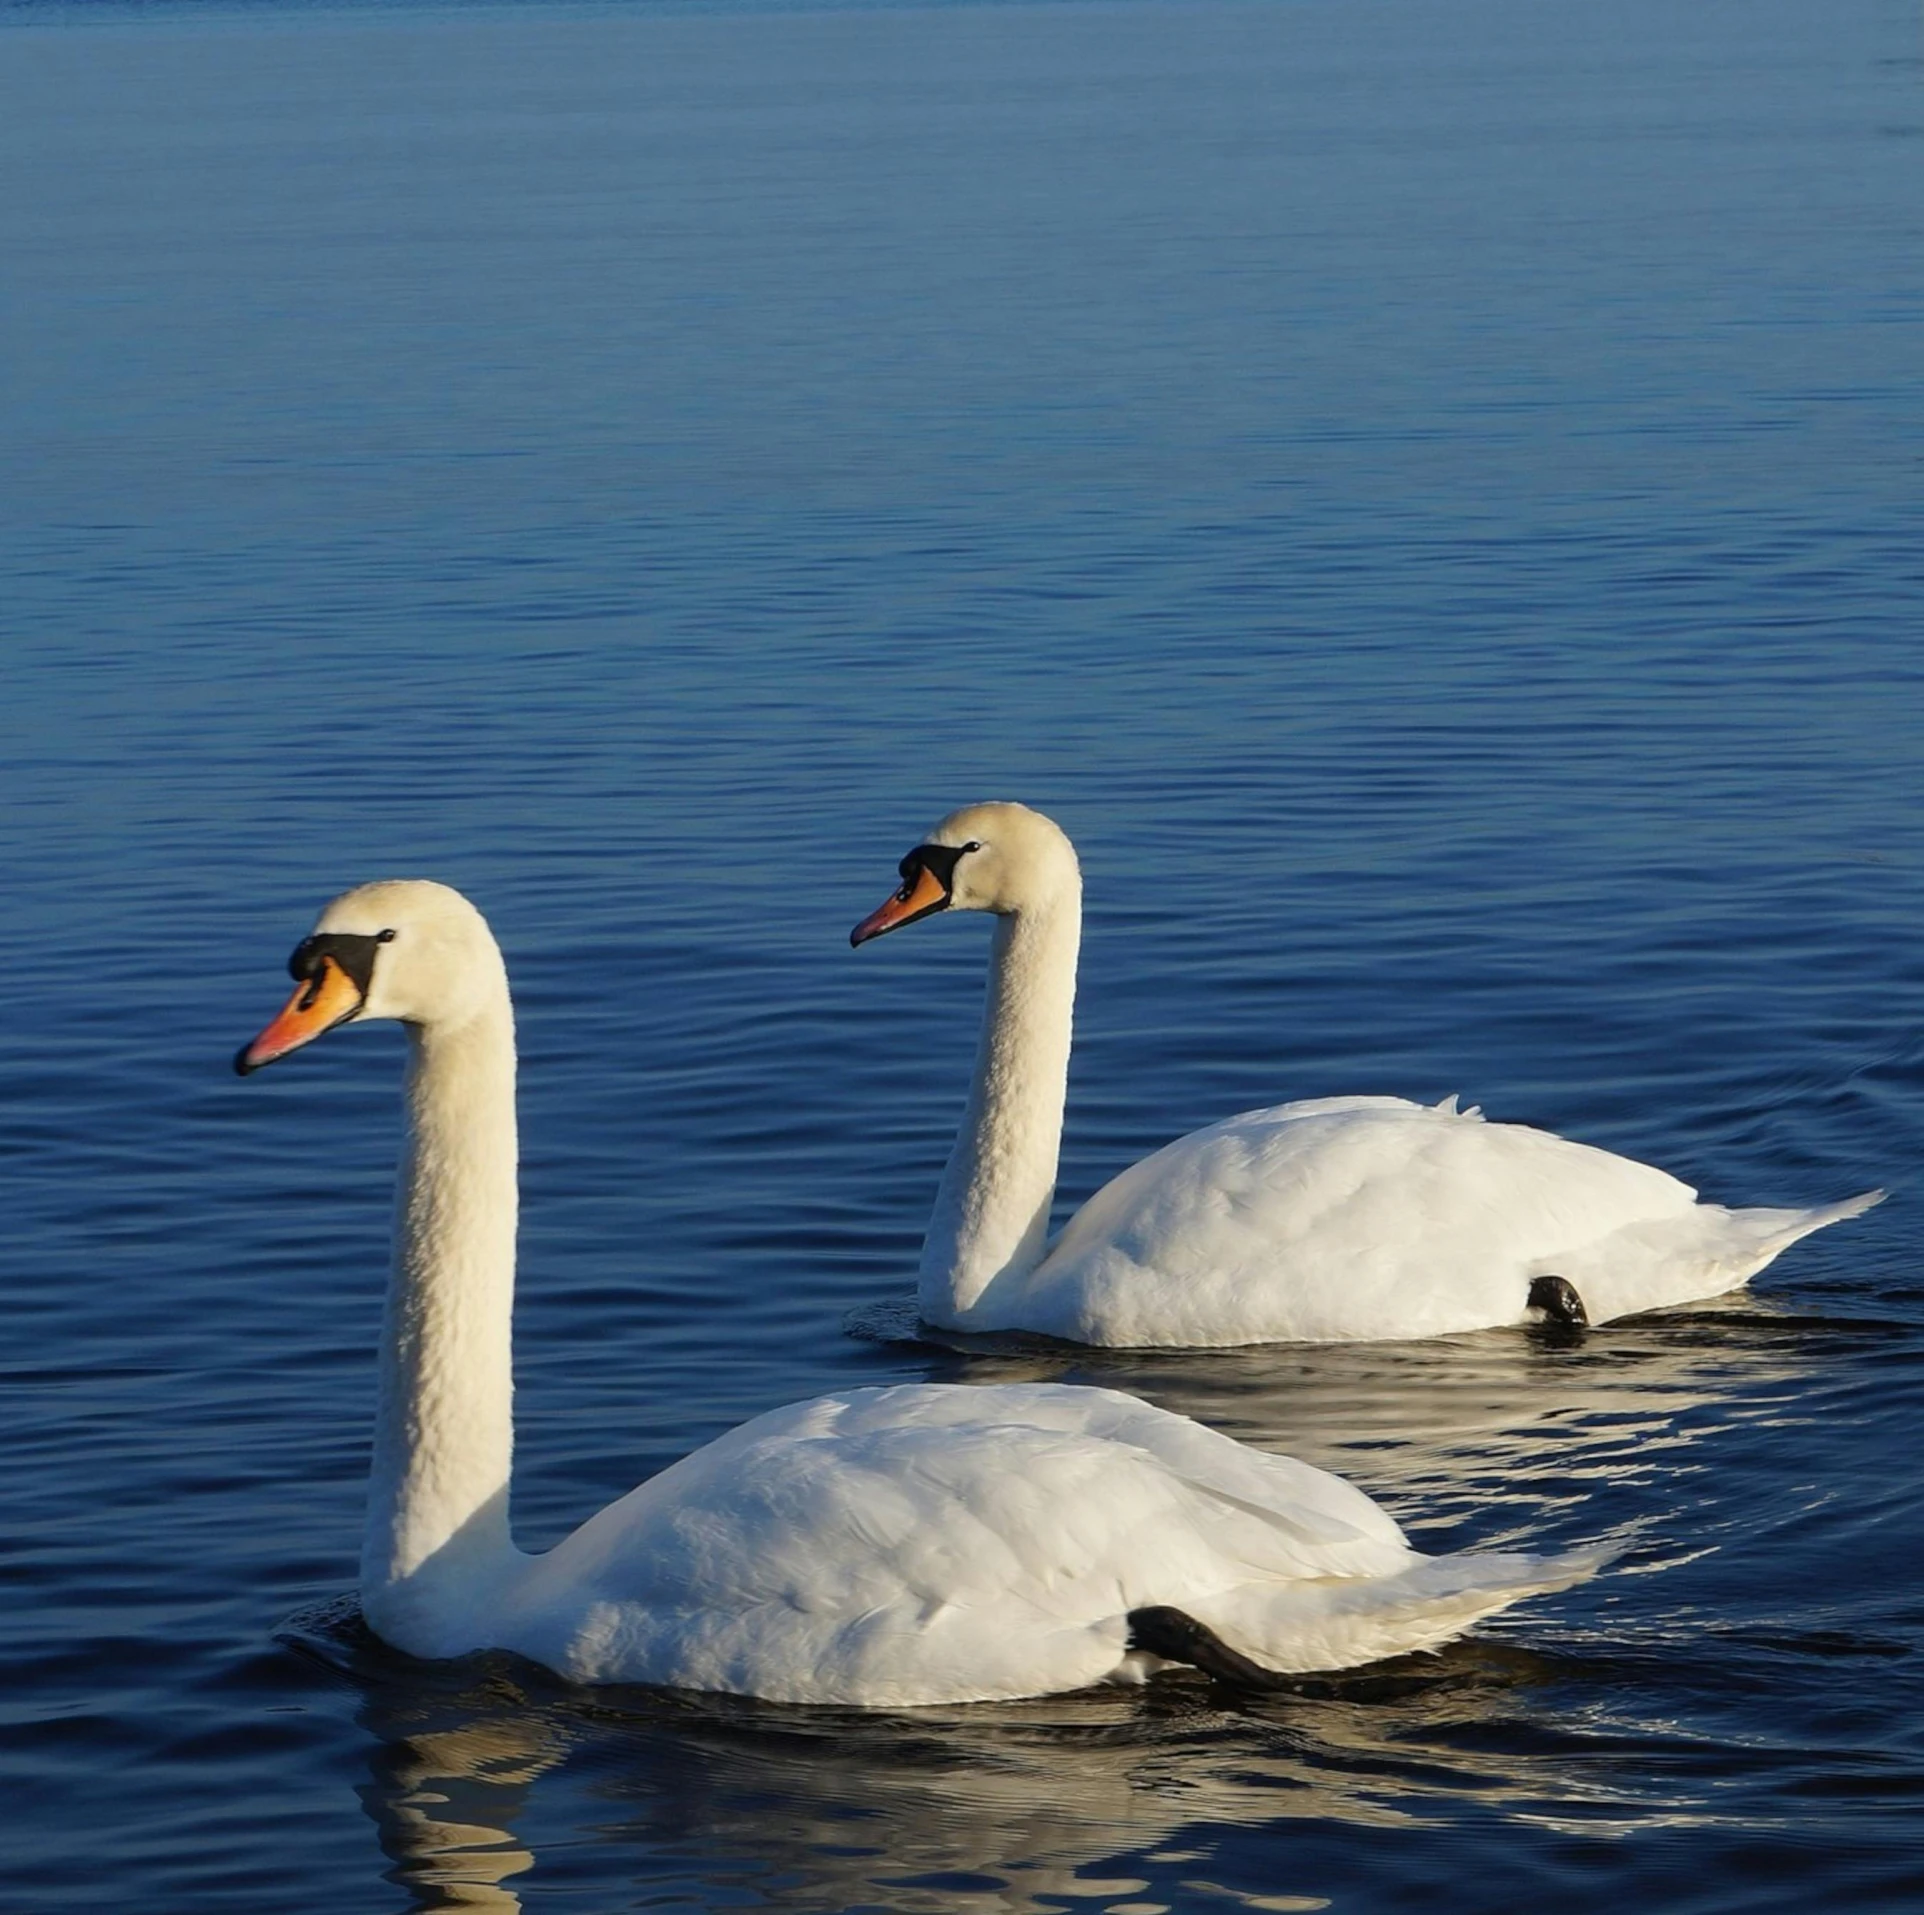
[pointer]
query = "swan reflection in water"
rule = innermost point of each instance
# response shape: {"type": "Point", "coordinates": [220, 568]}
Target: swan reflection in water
{"type": "Point", "coordinates": [1121, 1794]}
{"type": "Point", "coordinates": [1109, 1794]}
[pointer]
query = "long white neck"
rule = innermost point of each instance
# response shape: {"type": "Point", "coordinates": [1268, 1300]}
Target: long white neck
{"type": "Point", "coordinates": [991, 1221]}
{"type": "Point", "coordinates": [437, 1544]}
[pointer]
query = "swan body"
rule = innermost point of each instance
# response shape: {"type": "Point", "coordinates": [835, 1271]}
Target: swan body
{"type": "Point", "coordinates": [938, 1543]}
{"type": "Point", "coordinates": [877, 1547]}
{"type": "Point", "coordinates": [1336, 1219]}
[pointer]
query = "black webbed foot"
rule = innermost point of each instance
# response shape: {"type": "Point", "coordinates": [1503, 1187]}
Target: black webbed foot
{"type": "Point", "coordinates": [1178, 1637]}
{"type": "Point", "coordinates": [1557, 1298]}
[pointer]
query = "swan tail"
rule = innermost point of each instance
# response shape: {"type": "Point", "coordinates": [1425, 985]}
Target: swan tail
{"type": "Point", "coordinates": [1342, 1622]}
{"type": "Point", "coordinates": [1747, 1240]}
{"type": "Point", "coordinates": [1705, 1252]}
{"type": "Point", "coordinates": [1775, 1230]}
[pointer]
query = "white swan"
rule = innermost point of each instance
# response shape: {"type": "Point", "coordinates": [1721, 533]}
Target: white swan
{"type": "Point", "coordinates": [879, 1547]}
{"type": "Point", "coordinates": [1333, 1220]}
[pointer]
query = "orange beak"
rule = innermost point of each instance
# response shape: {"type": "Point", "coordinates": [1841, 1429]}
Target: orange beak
{"type": "Point", "coordinates": [318, 1004]}
{"type": "Point", "coordinates": [923, 893]}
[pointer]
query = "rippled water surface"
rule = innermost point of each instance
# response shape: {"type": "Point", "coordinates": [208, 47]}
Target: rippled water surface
{"type": "Point", "coordinates": [1428, 495]}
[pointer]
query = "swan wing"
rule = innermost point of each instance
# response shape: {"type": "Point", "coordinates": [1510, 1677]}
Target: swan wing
{"type": "Point", "coordinates": [1333, 1219]}
{"type": "Point", "coordinates": [939, 1543]}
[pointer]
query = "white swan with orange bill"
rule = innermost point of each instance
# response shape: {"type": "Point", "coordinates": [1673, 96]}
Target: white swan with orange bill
{"type": "Point", "coordinates": [876, 1547]}
{"type": "Point", "coordinates": [1333, 1220]}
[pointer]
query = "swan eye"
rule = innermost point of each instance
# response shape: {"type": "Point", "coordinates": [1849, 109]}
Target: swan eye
{"type": "Point", "coordinates": [974, 844]}
{"type": "Point", "coordinates": [352, 951]}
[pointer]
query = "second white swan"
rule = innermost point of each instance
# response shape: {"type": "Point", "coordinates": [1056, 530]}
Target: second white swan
{"type": "Point", "coordinates": [1333, 1220]}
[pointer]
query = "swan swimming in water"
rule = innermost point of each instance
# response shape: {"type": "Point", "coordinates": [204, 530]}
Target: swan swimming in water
{"type": "Point", "coordinates": [1337, 1219]}
{"type": "Point", "coordinates": [876, 1547]}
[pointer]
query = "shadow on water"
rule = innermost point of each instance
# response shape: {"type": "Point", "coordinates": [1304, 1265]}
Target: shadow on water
{"type": "Point", "coordinates": [483, 1772]}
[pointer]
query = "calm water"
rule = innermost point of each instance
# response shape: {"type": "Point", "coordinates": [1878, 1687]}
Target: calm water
{"type": "Point", "coordinates": [1430, 497]}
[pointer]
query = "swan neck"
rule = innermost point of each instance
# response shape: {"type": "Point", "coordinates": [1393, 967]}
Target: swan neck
{"type": "Point", "coordinates": [437, 1536]}
{"type": "Point", "coordinates": [991, 1221]}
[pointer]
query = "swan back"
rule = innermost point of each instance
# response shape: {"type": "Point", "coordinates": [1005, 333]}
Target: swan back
{"type": "Point", "coordinates": [927, 1542]}
{"type": "Point", "coordinates": [1334, 1219]}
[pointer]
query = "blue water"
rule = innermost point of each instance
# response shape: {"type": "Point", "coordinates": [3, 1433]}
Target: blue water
{"type": "Point", "coordinates": [1430, 496]}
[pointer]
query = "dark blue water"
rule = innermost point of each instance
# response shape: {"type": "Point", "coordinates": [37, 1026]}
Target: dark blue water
{"type": "Point", "coordinates": [1429, 495]}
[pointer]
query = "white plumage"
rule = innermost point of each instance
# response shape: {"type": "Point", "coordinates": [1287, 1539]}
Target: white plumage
{"type": "Point", "coordinates": [940, 1543]}
{"type": "Point", "coordinates": [1349, 1218]}
{"type": "Point", "coordinates": [883, 1547]}
{"type": "Point", "coordinates": [1330, 1220]}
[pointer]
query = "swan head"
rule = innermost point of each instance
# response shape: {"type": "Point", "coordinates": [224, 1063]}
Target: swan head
{"type": "Point", "coordinates": [404, 948]}
{"type": "Point", "coordinates": [1003, 858]}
